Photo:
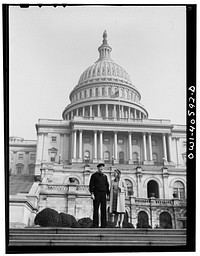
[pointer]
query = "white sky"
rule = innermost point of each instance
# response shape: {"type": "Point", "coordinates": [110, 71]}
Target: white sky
{"type": "Point", "coordinates": [51, 47]}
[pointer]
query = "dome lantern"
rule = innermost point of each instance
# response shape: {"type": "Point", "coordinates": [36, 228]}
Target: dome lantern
{"type": "Point", "coordinates": [104, 49]}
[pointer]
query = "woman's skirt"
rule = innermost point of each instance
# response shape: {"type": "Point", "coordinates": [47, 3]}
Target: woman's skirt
{"type": "Point", "coordinates": [114, 203]}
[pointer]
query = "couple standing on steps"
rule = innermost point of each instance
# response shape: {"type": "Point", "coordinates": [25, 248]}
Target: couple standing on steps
{"type": "Point", "coordinates": [99, 189]}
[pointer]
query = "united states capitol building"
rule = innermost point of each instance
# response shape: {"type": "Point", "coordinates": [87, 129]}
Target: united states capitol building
{"type": "Point", "coordinates": [105, 122]}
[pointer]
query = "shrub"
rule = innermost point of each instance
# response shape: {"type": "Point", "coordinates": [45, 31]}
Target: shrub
{"type": "Point", "coordinates": [85, 223]}
{"type": "Point", "coordinates": [47, 218]}
{"type": "Point", "coordinates": [65, 220]}
{"type": "Point", "coordinates": [74, 222]}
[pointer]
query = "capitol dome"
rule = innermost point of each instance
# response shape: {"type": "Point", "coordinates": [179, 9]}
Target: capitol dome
{"type": "Point", "coordinates": [104, 81]}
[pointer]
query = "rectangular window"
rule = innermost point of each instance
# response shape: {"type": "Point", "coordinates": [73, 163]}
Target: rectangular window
{"type": "Point", "coordinates": [53, 139]}
{"type": "Point", "coordinates": [106, 141]}
{"type": "Point", "coordinates": [134, 142]}
{"type": "Point", "coordinates": [96, 91]}
{"type": "Point", "coordinates": [90, 92]}
{"type": "Point", "coordinates": [21, 156]}
{"type": "Point", "coordinates": [120, 141]}
{"type": "Point", "coordinates": [87, 139]}
{"type": "Point", "coordinates": [32, 156]}
{"type": "Point", "coordinates": [52, 159]}
{"type": "Point", "coordinates": [19, 170]}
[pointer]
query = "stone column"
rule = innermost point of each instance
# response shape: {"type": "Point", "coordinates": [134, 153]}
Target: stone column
{"type": "Point", "coordinates": [115, 146]}
{"type": "Point", "coordinates": [98, 110]}
{"type": "Point", "coordinates": [95, 147]}
{"type": "Point", "coordinates": [72, 114]}
{"type": "Point", "coordinates": [26, 163]}
{"type": "Point", "coordinates": [114, 111]}
{"type": "Point", "coordinates": [130, 147]}
{"type": "Point", "coordinates": [39, 147]}
{"type": "Point", "coordinates": [165, 183]}
{"type": "Point", "coordinates": [122, 112]}
{"type": "Point", "coordinates": [150, 148]}
{"type": "Point", "coordinates": [135, 113]}
{"type": "Point", "coordinates": [64, 148]}
{"type": "Point", "coordinates": [140, 115]}
{"type": "Point", "coordinates": [80, 146]}
{"type": "Point", "coordinates": [83, 111]}
{"type": "Point", "coordinates": [139, 177]}
{"type": "Point", "coordinates": [77, 112]}
{"type": "Point", "coordinates": [74, 145]}
{"type": "Point", "coordinates": [91, 111]}
{"type": "Point", "coordinates": [177, 152]}
{"type": "Point", "coordinates": [170, 147]}
{"type": "Point", "coordinates": [164, 147]}
{"type": "Point", "coordinates": [129, 112]}
{"type": "Point", "coordinates": [144, 146]}
{"type": "Point", "coordinates": [61, 147]}
{"type": "Point", "coordinates": [101, 145]}
{"type": "Point", "coordinates": [106, 110]}
{"type": "Point", "coordinates": [45, 156]}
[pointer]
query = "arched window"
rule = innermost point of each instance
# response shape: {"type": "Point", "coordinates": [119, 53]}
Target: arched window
{"type": "Point", "coordinates": [129, 186]}
{"type": "Point", "coordinates": [143, 220]}
{"type": "Point", "coordinates": [97, 92]}
{"type": "Point", "coordinates": [20, 168]}
{"type": "Point", "coordinates": [53, 154]}
{"type": "Point", "coordinates": [103, 91]}
{"type": "Point", "coordinates": [31, 169]}
{"type": "Point", "coordinates": [121, 157]}
{"type": "Point", "coordinates": [165, 220]}
{"type": "Point", "coordinates": [135, 157]}
{"type": "Point", "coordinates": [107, 157]}
{"type": "Point", "coordinates": [87, 155]}
{"type": "Point", "coordinates": [155, 157]}
{"type": "Point", "coordinates": [109, 91]}
{"type": "Point", "coordinates": [73, 180]}
{"type": "Point", "coordinates": [152, 189]}
{"type": "Point", "coordinates": [179, 190]}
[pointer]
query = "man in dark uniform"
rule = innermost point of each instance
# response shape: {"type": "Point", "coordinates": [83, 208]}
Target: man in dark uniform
{"type": "Point", "coordinates": [99, 189]}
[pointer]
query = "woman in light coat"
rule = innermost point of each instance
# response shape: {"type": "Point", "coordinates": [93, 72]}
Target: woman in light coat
{"type": "Point", "coordinates": [117, 198]}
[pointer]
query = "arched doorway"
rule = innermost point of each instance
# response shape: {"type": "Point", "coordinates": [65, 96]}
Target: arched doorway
{"type": "Point", "coordinates": [121, 157]}
{"type": "Point", "coordinates": [165, 220]}
{"type": "Point", "coordinates": [152, 189]}
{"type": "Point", "coordinates": [143, 220]}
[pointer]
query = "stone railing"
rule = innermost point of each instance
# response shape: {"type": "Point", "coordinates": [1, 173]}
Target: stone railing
{"type": "Point", "coordinates": [160, 202]}
{"type": "Point", "coordinates": [117, 119]}
{"type": "Point", "coordinates": [82, 189]}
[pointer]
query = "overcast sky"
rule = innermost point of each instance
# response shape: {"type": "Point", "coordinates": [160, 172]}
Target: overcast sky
{"type": "Point", "coordinates": [51, 47]}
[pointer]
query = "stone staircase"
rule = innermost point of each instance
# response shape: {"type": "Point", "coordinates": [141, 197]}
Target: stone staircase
{"type": "Point", "coordinates": [96, 237]}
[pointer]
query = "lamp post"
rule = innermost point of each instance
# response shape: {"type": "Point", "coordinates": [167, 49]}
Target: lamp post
{"type": "Point", "coordinates": [112, 160]}
{"type": "Point", "coordinates": [163, 161]}
{"type": "Point", "coordinates": [138, 160]}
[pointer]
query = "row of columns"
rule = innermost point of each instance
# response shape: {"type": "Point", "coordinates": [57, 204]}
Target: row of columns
{"type": "Point", "coordinates": [117, 111]}
{"type": "Point", "coordinates": [167, 156]}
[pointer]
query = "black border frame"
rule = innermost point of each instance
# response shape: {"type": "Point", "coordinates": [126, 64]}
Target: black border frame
{"type": "Point", "coordinates": [191, 19]}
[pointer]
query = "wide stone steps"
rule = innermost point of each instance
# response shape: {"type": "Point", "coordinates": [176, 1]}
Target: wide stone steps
{"type": "Point", "coordinates": [96, 237]}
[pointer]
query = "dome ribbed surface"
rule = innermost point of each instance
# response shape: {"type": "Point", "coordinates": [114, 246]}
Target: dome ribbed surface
{"type": "Point", "coordinates": [104, 69]}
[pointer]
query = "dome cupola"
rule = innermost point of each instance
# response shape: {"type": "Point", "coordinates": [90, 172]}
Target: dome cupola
{"type": "Point", "coordinates": [104, 81]}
